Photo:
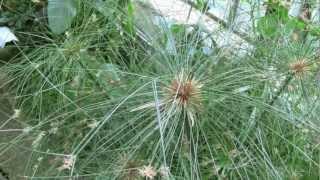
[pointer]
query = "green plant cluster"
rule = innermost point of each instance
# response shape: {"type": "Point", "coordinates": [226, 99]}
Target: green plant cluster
{"type": "Point", "coordinates": [105, 93]}
{"type": "Point", "coordinates": [278, 22]}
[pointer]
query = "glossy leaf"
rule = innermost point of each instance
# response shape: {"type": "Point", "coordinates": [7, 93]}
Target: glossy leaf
{"type": "Point", "coordinates": [61, 14]}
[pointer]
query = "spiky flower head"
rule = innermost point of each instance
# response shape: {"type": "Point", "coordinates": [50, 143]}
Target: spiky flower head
{"type": "Point", "coordinates": [164, 171]}
{"type": "Point", "coordinates": [68, 162]}
{"type": "Point", "coordinates": [300, 68]}
{"type": "Point", "coordinates": [184, 92]}
{"type": "Point", "coordinates": [148, 172]}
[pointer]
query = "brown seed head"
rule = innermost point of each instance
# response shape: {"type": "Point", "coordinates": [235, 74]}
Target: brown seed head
{"type": "Point", "coordinates": [186, 92]}
{"type": "Point", "coordinates": [148, 172]}
{"type": "Point", "coordinates": [300, 68]}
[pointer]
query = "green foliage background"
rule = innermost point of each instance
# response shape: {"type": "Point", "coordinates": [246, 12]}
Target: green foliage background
{"type": "Point", "coordinates": [87, 87]}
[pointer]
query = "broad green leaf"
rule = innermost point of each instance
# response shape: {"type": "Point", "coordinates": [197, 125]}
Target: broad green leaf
{"type": "Point", "coordinates": [61, 14]}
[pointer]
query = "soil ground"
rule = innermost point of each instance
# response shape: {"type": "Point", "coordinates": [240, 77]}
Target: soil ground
{"type": "Point", "coordinates": [13, 161]}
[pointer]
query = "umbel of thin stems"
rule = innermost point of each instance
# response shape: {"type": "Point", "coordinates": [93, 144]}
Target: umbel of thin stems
{"type": "Point", "coordinates": [182, 95]}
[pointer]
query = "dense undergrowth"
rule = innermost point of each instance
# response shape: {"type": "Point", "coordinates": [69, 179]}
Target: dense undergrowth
{"type": "Point", "coordinates": [118, 97]}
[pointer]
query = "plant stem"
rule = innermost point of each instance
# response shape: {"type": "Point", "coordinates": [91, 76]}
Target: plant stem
{"type": "Point", "coordinates": [91, 77]}
{"type": "Point", "coordinates": [280, 91]}
{"type": "Point", "coordinates": [270, 103]}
